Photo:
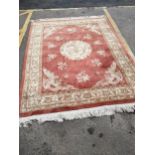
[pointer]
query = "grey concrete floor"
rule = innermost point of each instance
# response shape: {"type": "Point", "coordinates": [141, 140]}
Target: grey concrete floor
{"type": "Point", "coordinates": [46, 4]}
{"type": "Point", "coordinates": [106, 135]}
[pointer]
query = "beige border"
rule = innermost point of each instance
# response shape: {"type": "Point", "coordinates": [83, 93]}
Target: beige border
{"type": "Point", "coordinates": [118, 32]}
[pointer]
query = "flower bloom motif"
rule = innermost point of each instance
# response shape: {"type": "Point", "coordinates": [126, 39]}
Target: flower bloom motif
{"type": "Point", "coordinates": [87, 36]}
{"type": "Point", "coordinates": [76, 50]}
{"type": "Point", "coordinates": [82, 77]}
{"type": "Point", "coordinates": [51, 45]}
{"type": "Point", "coordinates": [58, 38]}
{"type": "Point", "coordinates": [62, 65]}
{"type": "Point", "coordinates": [48, 31]}
{"type": "Point", "coordinates": [52, 79]}
{"type": "Point", "coordinates": [51, 56]}
{"type": "Point", "coordinates": [71, 30]}
{"type": "Point", "coordinates": [101, 52]}
{"type": "Point", "coordinates": [97, 42]}
{"type": "Point", "coordinates": [113, 76]}
{"type": "Point", "coordinates": [96, 62]}
{"type": "Point", "coordinates": [93, 28]}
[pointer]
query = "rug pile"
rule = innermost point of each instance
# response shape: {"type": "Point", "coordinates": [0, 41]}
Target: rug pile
{"type": "Point", "coordinates": [75, 68]}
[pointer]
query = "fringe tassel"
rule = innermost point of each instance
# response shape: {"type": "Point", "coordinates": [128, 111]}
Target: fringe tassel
{"type": "Point", "coordinates": [78, 114]}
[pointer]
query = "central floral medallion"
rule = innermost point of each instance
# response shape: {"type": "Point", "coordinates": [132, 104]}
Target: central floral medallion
{"type": "Point", "coordinates": [76, 57]}
{"type": "Point", "coordinates": [76, 50]}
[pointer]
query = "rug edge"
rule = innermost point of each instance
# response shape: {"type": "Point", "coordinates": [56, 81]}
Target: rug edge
{"type": "Point", "coordinates": [120, 36]}
{"type": "Point", "coordinates": [78, 114]}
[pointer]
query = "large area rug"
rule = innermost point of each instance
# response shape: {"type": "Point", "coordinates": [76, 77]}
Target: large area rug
{"type": "Point", "coordinates": [75, 68]}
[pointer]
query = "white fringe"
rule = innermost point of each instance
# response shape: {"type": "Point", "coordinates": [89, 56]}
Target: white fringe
{"type": "Point", "coordinates": [78, 114]}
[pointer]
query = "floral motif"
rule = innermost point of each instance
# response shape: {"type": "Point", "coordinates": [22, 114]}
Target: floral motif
{"type": "Point", "coordinates": [51, 45]}
{"type": "Point", "coordinates": [62, 65]}
{"type": "Point", "coordinates": [53, 82]}
{"type": "Point", "coordinates": [101, 52]}
{"type": "Point", "coordinates": [51, 56]}
{"type": "Point", "coordinates": [76, 50]}
{"type": "Point", "coordinates": [87, 36]}
{"type": "Point", "coordinates": [48, 31]}
{"type": "Point", "coordinates": [58, 38]}
{"type": "Point", "coordinates": [93, 28]}
{"type": "Point", "coordinates": [113, 76]}
{"type": "Point", "coordinates": [96, 62]}
{"type": "Point", "coordinates": [52, 79]}
{"type": "Point", "coordinates": [82, 77]}
{"type": "Point", "coordinates": [97, 42]}
{"type": "Point", "coordinates": [71, 30]}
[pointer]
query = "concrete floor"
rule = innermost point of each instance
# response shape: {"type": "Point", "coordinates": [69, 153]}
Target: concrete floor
{"type": "Point", "coordinates": [46, 4]}
{"type": "Point", "coordinates": [107, 135]}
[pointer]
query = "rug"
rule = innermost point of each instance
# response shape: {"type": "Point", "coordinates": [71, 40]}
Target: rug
{"type": "Point", "coordinates": [75, 68]}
